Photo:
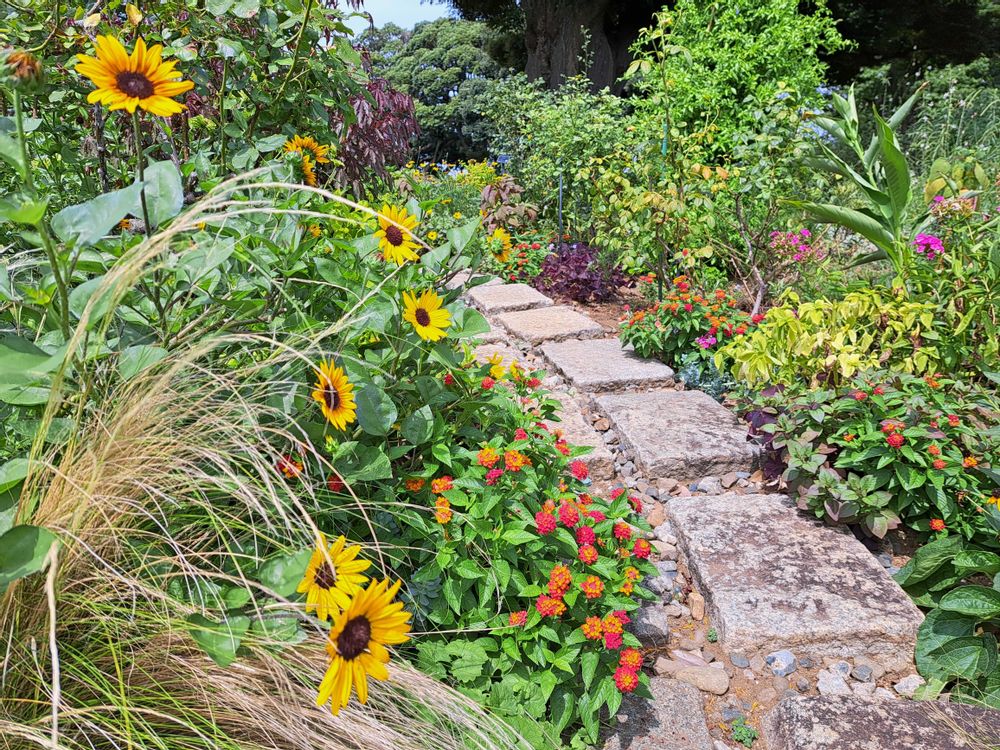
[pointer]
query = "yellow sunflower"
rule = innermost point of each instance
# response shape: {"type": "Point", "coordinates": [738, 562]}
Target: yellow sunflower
{"type": "Point", "coordinates": [300, 145]}
{"type": "Point", "coordinates": [332, 576]}
{"type": "Point", "coordinates": [126, 81]}
{"type": "Point", "coordinates": [396, 242]}
{"type": "Point", "coordinates": [428, 317]}
{"type": "Point", "coordinates": [500, 239]}
{"type": "Point", "coordinates": [308, 171]}
{"type": "Point", "coordinates": [335, 394]}
{"type": "Point", "coordinates": [357, 640]}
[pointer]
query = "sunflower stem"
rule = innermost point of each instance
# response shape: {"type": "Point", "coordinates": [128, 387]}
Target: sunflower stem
{"type": "Point", "coordinates": [139, 172]}
{"type": "Point", "coordinates": [222, 114]}
{"type": "Point", "coordinates": [298, 49]}
{"type": "Point", "coordinates": [43, 231]}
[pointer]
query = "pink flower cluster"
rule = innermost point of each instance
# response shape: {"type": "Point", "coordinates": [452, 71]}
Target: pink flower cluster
{"type": "Point", "coordinates": [928, 245]}
{"type": "Point", "coordinates": [707, 341]}
{"type": "Point", "coordinates": [795, 245]}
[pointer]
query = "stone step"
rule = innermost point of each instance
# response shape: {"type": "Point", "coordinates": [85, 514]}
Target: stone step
{"type": "Point", "coordinates": [603, 365]}
{"type": "Point", "coordinates": [849, 723]}
{"type": "Point", "coordinates": [578, 431]}
{"type": "Point", "coordinates": [775, 578]}
{"type": "Point", "coordinates": [673, 720]}
{"type": "Point", "coordinates": [496, 298]}
{"type": "Point", "coordinates": [463, 278]}
{"type": "Point", "coordinates": [684, 435]}
{"type": "Point", "coordinates": [550, 324]}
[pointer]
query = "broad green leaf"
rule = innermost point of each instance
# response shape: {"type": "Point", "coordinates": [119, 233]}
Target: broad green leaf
{"type": "Point", "coordinates": [282, 573]}
{"type": "Point", "coordinates": [460, 236]}
{"type": "Point", "coordinates": [24, 395]}
{"type": "Point", "coordinates": [969, 657]}
{"type": "Point", "coordinates": [20, 209]}
{"type": "Point", "coordinates": [977, 561]}
{"type": "Point", "coordinates": [588, 667]}
{"type": "Point", "coordinates": [376, 411]}
{"type": "Point", "coordinates": [467, 323]}
{"type": "Point", "coordinates": [10, 152]}
{"type": "Point", "coordinates": [938, 628]}
{"type": "Point", "coordinates": [976, 601]}
{"type": "Point", "coordinates": [21, 362]}
{"type": "Point", "coordinates": [81, 296]}
{"type": "Point", "coordinates": [418, 427]}
{"type": "Point", "coordinates": [856, 221]}
{"type": "Point", "coordinates": [86, 223]}
{"type": "Point", "coordinates": [135, 359]}
{"type": "Point", "coordinates": [13, 471]}
{"type": "Point", "coordinates": [8, 506]}
{"type": "Point", "coordinates": [23, 550]}
{"type": "Point", "coordinates": [928, 559]}
{"type": "Point", "coordinates": [164, 192]}
{"type": "Point", "coordinates": [897, 172]}
{"type": "Point", "coordinates": [220, 640]}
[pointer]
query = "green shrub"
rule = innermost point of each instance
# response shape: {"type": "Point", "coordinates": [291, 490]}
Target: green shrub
{"type": "Point", "coordinates": [685, 323]}
{"type": "Point", "coordinates": [827, 341]}
{"type": "Point", "coordinates": [889, 448]}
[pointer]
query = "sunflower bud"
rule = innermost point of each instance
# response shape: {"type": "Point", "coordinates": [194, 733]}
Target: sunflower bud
{"type": "Point", "coordinates": [20, 69]}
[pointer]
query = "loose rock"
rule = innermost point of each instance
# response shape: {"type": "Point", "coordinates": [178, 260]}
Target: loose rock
{"type": "Point", "coordinates": [708, 679]}
{"type": "Point", "coordinates": [862, 673]}
{"type": "Point", "coordinates": [782, 663]}
{"type": "Point", "coordinates": [697, 604]}
{"type": "Point", "coordinates": [739, 660]}
{"type": "Point", "coordinates": [832, 683]}
{"type": "Point", "coordinates": [908, 685]}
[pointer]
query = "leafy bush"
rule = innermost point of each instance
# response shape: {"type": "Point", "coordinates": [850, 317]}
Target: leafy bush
{"type": "Point", "coordinates": [887, 448]}
{"type": "Point", "coordinates": [685, 323]}
{"type": "Point", "coordinates": [525, 260]}
{"type": "Point", "coordinates": [574, 271]}
{"type": "Point", "coordinates": [826, 341]}
{"type": "Point", "coordinates": [956, 643]}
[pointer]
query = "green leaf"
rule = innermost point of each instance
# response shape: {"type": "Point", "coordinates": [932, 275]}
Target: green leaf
{"type": "Point", "coordinates": [135, 359]}
{"type": "Point", "coordinates": [20, 209]}
{"type": "Point", "coordinates": [418, 427]}
{"type": "Point", "coordinates": [856, 221]}
{"type": "Point", "coordinates": [938, 628]}
{"type": "Point", "coordinates": [519, 536]}
{"type": "Point", "coordinates": [563, 702]}
{"type": "Point", "coordinates": [467, 323]}
{"type": "Point", "coordinates": [376, 411]}
{"type": "Point", "coordinates": [220, 640]}
{"type": "Point", "coordinates": [86, 223]}
{"type": "Point", "coordinates": [897, 172]}
{"type": "Point", "coordinates": [928, 559]}
{"type": "Point", "coordinates": [469, 569]}
{"type": "Point", "coordinates": [23, 550]}
{"type": "Point", "coordinates": [976, 601]}
{"type": "Point", "coordinates": [13, 471]}
{"type": "Point", "coordinates": [282, 573]}
{"type": "Point", "coordinates": [21, 362]}
{"type": "Point", "coordinates": [968, 657]}
{"type": "Point", "coordinates": [10, 152]}
{"type": "Point", "coordinates": [164, 192]}
{"type": "Point", "coordinates": [460, 236]}
{"type": "Point", "coordinates": [977, 561]}
{"type": "Point", "coordinates": [588, 667]}
{"type": "Point", "coordinates": [81, 296]}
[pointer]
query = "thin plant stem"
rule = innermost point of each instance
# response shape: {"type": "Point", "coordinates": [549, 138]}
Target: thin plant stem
{"type": "Point", "coordinates": [222, 115]}
{"type": "Point", "coordinates": [298, 49]}
{"type": "Point", "coordinates": [43, 231]}
{"type": "Point", "coordinates": [139, 173]}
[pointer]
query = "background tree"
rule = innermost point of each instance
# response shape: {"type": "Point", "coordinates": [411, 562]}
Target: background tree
{"type": "Point", "coordinates": [443, 65]}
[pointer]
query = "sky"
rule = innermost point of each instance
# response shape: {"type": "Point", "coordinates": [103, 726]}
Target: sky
{"type": "Point", "coordinates": [403, 13]}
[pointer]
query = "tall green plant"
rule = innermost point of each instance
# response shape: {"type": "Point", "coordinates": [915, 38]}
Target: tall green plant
{"type": "Point", "coordinates": [881, 174]}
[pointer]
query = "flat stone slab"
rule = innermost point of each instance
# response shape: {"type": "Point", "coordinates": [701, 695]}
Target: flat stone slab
{"type": "Point", "coordinates": [577, 431]}
{"type": "Point", "coordinates": [684, 435]}
{"type": "Point", "coordinates": [550, 324]}
{"type": "Point", "coordinates": [462, 279]}
{"type": "Point", "coordinates": [496, 298]}
{"type": "Point", "coordinates": [774, 578]}
{"type": "Point", "coordinates": [673, 720]}
{"type": "Point", "coordinates": [849, 723]}
{"type": "Point", "coordinates": [601, 365]}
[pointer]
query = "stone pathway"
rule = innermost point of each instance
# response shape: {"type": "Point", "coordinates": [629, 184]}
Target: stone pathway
{"type": "Point", "coordinates": [764, 614]}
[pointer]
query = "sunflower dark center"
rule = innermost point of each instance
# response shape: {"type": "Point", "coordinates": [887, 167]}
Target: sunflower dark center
{"type": "Point", "coordinates": [326, 576]}
{"type": "Point", "coordinates": [331, 396]}
{"type": "Point", "coordinates": [423, 317]}
{"type": "Point", "coordinates": [135, 84]}
{"type": "Point", "coordinates": [353, 639]}
{"type": "Point", "coordinates": [394, 235]}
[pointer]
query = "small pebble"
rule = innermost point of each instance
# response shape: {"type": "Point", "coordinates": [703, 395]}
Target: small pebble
{"type": "Point", "coordinates": [739, 660]}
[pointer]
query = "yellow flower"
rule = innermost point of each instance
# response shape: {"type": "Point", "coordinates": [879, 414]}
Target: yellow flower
{"type": "Point", "coordinates": [314, 230]}
{"type": "Point", "coordinates": [428, 317]}
{"type": "Point", "coordinates": [457, 215]}
{"type": "Point", "coordinates": [308, 171]}
{"type": "Point", "coordinates": [497, 371]}
{"type": "Point", "coordinates": [500, 239]}
{"type": "Point", "coordinates": [300, 145]}
{"type": "Point", "coordinates": [126, 81]}
{"type": "Point", "coordinates": [432, 236]}
{"type": "Point", "coordinates": [332, 576]}
{"type": "Point", "coordinates": [396, 235]}
{"type": "Point", "coordinates": [335, 394]}
{"type": "Point", "coordinates": [357, 640]}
